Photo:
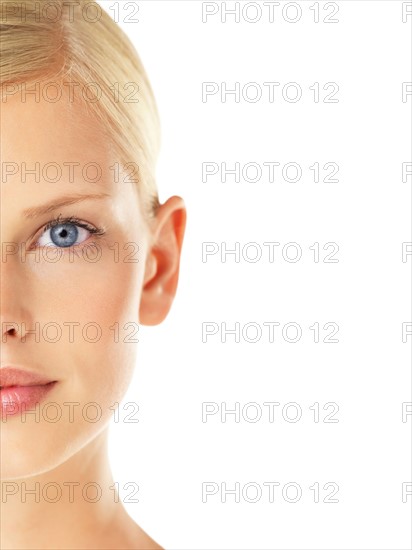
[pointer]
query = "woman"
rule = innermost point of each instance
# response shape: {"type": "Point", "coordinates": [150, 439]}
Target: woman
{"type": "Point", "coordinates": [88, 253]}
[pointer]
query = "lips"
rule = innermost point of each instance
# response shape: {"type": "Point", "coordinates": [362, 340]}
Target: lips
{"type": "Point", "coordinates": [22, 390]}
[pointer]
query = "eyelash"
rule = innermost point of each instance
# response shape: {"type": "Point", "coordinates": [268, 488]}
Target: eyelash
{"type": "Point", "coordinates": [98, 231]}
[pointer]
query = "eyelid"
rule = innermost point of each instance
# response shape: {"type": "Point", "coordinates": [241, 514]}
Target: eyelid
{"type": "Point", "coordinates": [73, 220]}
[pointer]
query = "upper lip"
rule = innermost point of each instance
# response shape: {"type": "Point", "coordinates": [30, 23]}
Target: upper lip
{"type": "Point", "coordinates": [10, 376]}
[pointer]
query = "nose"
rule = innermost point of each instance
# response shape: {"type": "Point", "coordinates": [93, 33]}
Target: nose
{"type": "Point", "coordinates": [15, 318]}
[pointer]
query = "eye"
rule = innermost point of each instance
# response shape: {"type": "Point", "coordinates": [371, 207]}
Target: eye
{"type": "Point", "coordinates": [63, 233]}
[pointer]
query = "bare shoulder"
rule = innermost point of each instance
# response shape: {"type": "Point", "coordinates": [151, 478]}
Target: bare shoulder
{"type": "Point", "coordinates": [126, 534]}
{"type": "Point", "coordinates": [140, 540]}
{"type": "Point", "coordinates": [147, 543]}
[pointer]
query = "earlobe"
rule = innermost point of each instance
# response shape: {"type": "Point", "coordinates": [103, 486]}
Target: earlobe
{"type": "Point", "coordinates": [162, 265]}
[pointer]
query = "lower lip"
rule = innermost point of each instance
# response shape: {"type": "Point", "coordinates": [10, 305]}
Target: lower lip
{"type": "Point", "coordinates": [18, 399]}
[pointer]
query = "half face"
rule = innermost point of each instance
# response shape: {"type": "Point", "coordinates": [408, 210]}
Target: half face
{"type": "Point", "coordinates": [74, 246]}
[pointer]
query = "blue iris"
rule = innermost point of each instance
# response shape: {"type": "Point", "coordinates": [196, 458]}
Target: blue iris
{"type": "Point", "coordinates": [64, 234]}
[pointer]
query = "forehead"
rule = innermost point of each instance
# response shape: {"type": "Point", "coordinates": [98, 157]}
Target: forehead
{"type": "Point", "coordinates": [44, 131]}
{"type": "Point", "coordinates": [52, 147]}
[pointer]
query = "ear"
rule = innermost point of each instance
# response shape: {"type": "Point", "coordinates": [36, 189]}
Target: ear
{"type": "Point", "coordinates": [162, 262]}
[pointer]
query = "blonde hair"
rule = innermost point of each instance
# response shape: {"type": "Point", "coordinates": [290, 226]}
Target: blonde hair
{"type": "Point", "coordinates": [78, 42]}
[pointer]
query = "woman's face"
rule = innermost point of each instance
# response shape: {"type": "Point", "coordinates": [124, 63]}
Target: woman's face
{"type": "Point", "coordinates": [72, 295]}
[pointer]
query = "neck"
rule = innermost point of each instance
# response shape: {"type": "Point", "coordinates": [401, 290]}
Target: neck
{"type": "Point", "coordinates": [71, 506]}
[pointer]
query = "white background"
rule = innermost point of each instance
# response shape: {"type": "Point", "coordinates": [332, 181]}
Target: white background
{"type": "Point", "coordinates": [170, 453]}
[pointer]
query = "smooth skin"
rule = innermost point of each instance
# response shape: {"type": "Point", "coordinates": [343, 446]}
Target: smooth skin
{"type": "Point", "coordinates": [75, 290]}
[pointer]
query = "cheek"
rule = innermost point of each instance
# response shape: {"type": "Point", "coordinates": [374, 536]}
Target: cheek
{"type": "Point", "coordinates": [94, 365]}
{"type": "Point", "coordinates": [101, 291]}
{"type": "Point", "coordinates": [96, 306]}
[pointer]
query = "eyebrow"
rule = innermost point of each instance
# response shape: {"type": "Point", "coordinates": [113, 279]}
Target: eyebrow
{"type": "Point", "coordinates": [58, 203]}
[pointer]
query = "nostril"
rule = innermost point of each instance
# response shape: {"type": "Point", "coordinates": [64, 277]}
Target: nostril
{"type": "Point", "coordinates": [10, 328]}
